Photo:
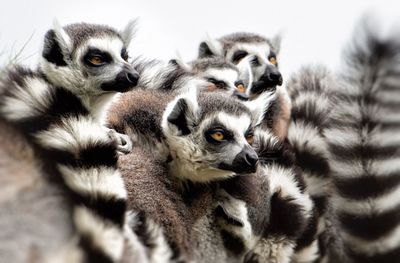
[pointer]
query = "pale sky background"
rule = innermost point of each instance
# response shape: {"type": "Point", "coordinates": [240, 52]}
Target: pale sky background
{"type": "Point", "coordinates": [314, 31]}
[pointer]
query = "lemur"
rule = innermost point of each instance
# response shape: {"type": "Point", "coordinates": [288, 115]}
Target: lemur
{"type": "Point", "coordinates": [363, 139]}
{"type": "Point", "coordinates": [57, 110]}
{"type": "Point", "coordinates": [261, 56]}
{"type": "Point", "coordinates": [172, 75]}
{"type": "Point", "coordinates": [207, 137]}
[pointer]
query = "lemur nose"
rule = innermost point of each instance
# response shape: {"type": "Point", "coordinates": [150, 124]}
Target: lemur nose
{"type": "Point", "coordinates": [275, 77]}
{"type": "Point", "coordinates": [132, 77]}
{"type": "Point", "coordinates": [251, 158]}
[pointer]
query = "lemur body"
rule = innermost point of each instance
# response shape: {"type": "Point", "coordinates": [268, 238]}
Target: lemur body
{"type": "Point", "coordinates": [195, 160]}
{"type": "Point", "coordinates": [57, 109]}
{"type": "Point", "coordinates": [363, 139]}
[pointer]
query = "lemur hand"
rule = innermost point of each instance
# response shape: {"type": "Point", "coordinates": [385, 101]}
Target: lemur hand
{"type": "Point", "coordinates": [124, 142]}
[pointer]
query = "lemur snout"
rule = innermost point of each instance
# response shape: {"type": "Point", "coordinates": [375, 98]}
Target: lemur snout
{"type": "Point", "coordinates": [272, 76]}
{"type": "Point", "coordinates": [124, 81]}
{"type": "Point", "coordinates": [132, 77]}
{"type": "Point", "coordinates": [246, 161]}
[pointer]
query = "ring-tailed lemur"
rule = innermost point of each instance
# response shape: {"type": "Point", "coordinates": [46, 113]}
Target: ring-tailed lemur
{"type": "Point", "coordinates": [363, 138]}
{"type": "Point", "coordinates": [207, 137]}
{"type": "Point", "coordinates": [248, 50]}
{"type": "Point", "coordinates": [218, 73]}
{"type": "Point", "coordinates": [59, 109]}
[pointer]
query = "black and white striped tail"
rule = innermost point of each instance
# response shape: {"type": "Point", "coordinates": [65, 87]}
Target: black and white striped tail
{"type": "Point", "coordinates": [310, 90]}
{"type": "Point", "coordinates": [147, 240]}
{"type": "Point", "coordinates": [364, 141]}
{"type": "Point", "coordinates": [78, 150]}
{"type": "Point", "coordinates": [293, 217]}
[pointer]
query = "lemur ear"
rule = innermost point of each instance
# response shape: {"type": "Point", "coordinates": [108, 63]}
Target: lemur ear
{"type": "Point", "coordinates": [179, 63]}
{"type": "Point", "coordinates": [260, 106]}
{"type": "Point", "coordinates": [129, 32]}
{"type": "Point", "coordinates": [245, 72]}
{"type": "Point", "coordinates": [276, 42]}
{"type": "Point", "coordinates": [209, 48]}
{"type": "Point", "coordinates": [57, 46]}
{"type": "Point", "coordinates": [180, 115]}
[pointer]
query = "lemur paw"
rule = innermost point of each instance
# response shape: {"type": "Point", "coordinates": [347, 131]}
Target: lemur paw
{"type": "Point", "coordinates": [124, 142]}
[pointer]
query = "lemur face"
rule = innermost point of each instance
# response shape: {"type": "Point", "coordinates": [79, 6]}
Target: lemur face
{"type": "Point", "coordinates": [263, 63]}
{"type": "Point", "coordinates": [257, 52]}
{"type": "Point", "coordinates": [219, 75]}
{"type": "Point", "coordinates": [89, 58]}
{"type": "Point", "coordinates": [210, 135]}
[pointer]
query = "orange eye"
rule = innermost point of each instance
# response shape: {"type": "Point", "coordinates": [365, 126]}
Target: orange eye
{"type": "Point", "coordinates": [250, 139]}
{"type": "Point", "coordinates": [241, 88]}
{"type": "Point", "coordinates": [96, 60]}
{"type": "Point", "coordinates": [273, 60]}
{"type": "Point", "coordinates": [218, 136]}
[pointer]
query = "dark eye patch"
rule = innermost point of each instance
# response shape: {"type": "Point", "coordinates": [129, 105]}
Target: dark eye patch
{"type": "Point", "coordinates": [228, 135]}
{"type": "Point", "coordinates": [272, 58]}
{"type": "Point", "coordinates": [218, 83]}
{"type": "Point", "coordinates": [239, 82]}
{"type": "Point", "coordinates": [250, 131]}
{"type": "Point", "coordinates": [238, 55]}
{"type": "Point", "coordinates": [95, 52]}
{"type": "Point", "coordinates": [271, 54]}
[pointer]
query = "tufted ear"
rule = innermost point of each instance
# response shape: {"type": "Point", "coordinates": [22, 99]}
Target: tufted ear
{"type": "Point", "coordinates": [129, 32]}
{"type": "Point", "coordinates": [209, 48]}
{"type": "Point", "coordinates": [276, 42]}
{"type": "Point", "coordinates": [181, 114]}
{"type": "Point", "coordinates": [57, 46]}
{"type": "Point", "coordinates": [260, 106]}
{"type": "Point", "coordinates": [179, 63]}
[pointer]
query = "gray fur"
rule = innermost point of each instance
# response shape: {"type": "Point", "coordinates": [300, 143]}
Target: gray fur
{"type": "Point", "coordinates": [242, 37]}
{"type": "Point", "coordinates": [201, 65]}
{"type": "Point", "coordinates": [35, 223]}
{"type": "Point", "coordinates": [81, 32]}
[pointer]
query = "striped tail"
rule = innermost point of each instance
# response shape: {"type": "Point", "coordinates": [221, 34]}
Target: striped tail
{"type": "Point", "coordinates": [72, 144]}
{"type": "Point", "coordinates": [146, 240]}
{"type": "Point", "coordinates": [364, 141]}
{"type": "Point", "coordinates": [293, 214]}
{"type": "Point", "coordinates": [311, 92]}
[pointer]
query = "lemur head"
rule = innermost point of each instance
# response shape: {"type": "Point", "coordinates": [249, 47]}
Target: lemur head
{"type": "Point", "coordinates": [88, 58]}
{"type": "Point", "coordinates": [210, 134]}
{"type": "Point", "coordinates": [260, 53]}
{"type": "Point", "coordinates": [219, 74]}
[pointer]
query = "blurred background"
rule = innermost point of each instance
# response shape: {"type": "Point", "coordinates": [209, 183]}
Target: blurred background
{"type": "Point", "coordinates": [313, 31]}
